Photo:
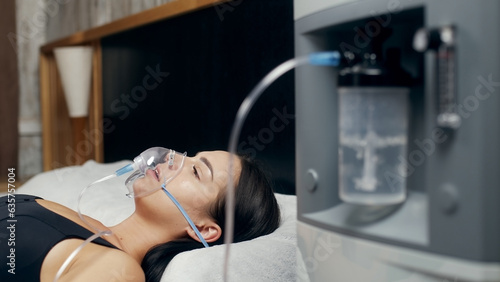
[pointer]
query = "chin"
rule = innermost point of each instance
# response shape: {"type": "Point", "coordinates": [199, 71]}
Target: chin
{"type": "Point", "coordinates": [140, 186]}
{"type": "Point", "coordinates": [144, 188]}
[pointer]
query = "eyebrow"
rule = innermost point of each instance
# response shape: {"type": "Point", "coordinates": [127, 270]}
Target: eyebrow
{"type": "Point", "coordinates": [209, 165]}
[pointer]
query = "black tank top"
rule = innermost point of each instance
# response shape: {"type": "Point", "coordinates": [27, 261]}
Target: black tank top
{"type": "Point", "coordinates": [28, 231]}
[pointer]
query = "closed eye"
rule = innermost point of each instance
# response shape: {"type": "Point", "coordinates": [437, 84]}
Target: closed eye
{"type": "Point", "coordinates": [195, 172]}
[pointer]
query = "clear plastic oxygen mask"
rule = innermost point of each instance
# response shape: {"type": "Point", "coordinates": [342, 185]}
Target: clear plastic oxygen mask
{"type": "Point", "coordinates": [160, 163]}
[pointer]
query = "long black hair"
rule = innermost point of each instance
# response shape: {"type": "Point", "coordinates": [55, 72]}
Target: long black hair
{"type": "Point", "coordinates": [256, 213]}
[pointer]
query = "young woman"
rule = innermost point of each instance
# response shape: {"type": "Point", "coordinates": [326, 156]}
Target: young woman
{"type": "Point", "coordinates": [141, 246]}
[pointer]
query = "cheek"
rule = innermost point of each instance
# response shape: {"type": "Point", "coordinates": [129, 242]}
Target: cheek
{"type": "Point", "coordinates": [145, 185]}
{"type": "Point", "coordinates": [190, 195]}
{"type": "Point", "coordinates": [140, 183]}
{"type": "Point", "coordinates": [221, 180]}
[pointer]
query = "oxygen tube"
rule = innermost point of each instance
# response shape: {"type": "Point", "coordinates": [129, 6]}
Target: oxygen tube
{"type": "Point", "coordinates": [317, 59]}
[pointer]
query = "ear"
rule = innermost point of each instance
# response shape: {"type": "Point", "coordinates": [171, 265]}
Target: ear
{"type": "Point", "coordinates": [210, 232]}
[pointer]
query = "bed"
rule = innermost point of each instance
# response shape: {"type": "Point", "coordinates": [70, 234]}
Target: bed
{"type": "Point", "coordinates": [267, 258]}
{"type": "Point", "coordinates": [209, 78]}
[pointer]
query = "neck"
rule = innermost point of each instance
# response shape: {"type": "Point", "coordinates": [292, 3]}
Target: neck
{"type": "Point", "coordinates": [136, 236]}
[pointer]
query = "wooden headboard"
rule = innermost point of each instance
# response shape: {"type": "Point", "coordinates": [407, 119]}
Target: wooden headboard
{"type": "Point", "coordinates": [58, 143]}
{"type": "Point", "coordinates": [174, 76]}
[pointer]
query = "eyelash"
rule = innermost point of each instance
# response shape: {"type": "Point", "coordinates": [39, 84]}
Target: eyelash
{"type": "Point", "coordinates": [195, 171]}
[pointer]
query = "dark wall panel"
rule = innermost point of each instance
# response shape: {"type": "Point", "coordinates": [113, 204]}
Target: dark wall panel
{"type": "Point", "coordinates": [178, 84]}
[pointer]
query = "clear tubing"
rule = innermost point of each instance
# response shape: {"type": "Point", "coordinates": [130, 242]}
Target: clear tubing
{"type": "Point", "coordinates": [76, 251]}
{"type": "Point", "coordinates": [320, 59]}
{"type": "Point", "coordinates": [80, 198]}
{"type": "Point", "coordinates": [98, 233]}
{"type": "Point", "coordinates": [127, 168]}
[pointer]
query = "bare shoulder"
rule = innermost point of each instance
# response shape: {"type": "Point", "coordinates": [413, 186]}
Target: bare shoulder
{"type": "Point", "coordinates": [94, 263]}
{"type": "Point", "coordinates": [118, 266]}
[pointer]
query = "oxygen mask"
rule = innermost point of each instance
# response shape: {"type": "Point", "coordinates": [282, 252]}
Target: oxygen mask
{"type": "Point", "coordinates": [159, 164]}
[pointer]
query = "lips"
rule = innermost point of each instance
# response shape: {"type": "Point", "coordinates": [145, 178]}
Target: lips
{"type": "Point", "coordinates": [153, 173]}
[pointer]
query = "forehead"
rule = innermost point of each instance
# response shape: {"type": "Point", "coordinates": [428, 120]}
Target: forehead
{"type": "Point", "coordinates": [219, 161]}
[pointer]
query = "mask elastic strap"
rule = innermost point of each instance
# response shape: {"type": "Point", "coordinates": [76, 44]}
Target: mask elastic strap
{"type": "Point", "coordinates": [186, 216]}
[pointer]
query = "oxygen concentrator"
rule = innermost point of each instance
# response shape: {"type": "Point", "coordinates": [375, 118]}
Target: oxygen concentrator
{"type": "Point", "coordinates": [397, 156]}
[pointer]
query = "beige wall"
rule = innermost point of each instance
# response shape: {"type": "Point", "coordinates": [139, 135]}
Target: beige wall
{"type": "Point", "coordinates": [42, 21]}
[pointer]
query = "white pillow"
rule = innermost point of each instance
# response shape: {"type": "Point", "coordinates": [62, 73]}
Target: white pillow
{"type": "Point", "coordinates": [267, 258]}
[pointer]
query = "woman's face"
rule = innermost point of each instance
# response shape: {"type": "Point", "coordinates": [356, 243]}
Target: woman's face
{"type": "Point", "coordinates": [201, 179]}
